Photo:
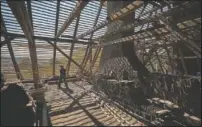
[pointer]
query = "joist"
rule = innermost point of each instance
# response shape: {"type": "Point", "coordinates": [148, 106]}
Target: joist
{"type": "Point", "coordinates": [29, 9]}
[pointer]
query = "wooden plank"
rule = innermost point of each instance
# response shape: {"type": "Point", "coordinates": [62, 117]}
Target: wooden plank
{"type": "Point", "coordinates": [45, 38]}
{"type": "Point", "coordinates": [74, 14]}
{"type": "Point", "coordinates": [56, 27]}
{"type": "Point", "coordinates": [72, 45]}
{"type": "Point", "coordinates": [135, 5]}
{"type": "Point", "coordinates": [20, 12]}
{"type": "Point", "coordinates": [89, 56]}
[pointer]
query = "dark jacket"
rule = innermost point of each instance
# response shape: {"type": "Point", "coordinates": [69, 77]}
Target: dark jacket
{"type": "Point", "coordinates": [62, 72]}
{"type": "Point", "coordinates": [14, 111]}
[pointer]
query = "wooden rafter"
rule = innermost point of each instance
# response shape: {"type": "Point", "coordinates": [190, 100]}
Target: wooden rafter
{"type": "Point", "coordinates": [20, 12]}
{"type": "Point", "coordinates": [89, 48]}
{"type": "Point", "coordinates": [46, 38]}
{"type": "Point", "coordinates": [15, 65]}
{"type": "Point", "coordinates": [72, 45]}
{"type": "Point", "coordinates": [74, 14]}
{"type": "Point", "coordinates": [114, 17]}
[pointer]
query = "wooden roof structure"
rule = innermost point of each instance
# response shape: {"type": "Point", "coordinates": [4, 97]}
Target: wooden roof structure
{"type": "Point", "coordinates": [78, 29]}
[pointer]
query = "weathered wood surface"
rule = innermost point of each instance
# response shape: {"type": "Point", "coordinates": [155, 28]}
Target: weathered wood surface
{"type": "Point", "coordinates": [75, 109]}
{"type": "Point", "coordinates": [79, 106]}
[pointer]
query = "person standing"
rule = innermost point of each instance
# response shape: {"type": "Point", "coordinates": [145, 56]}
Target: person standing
{"type": "Point", "coordinates": [62, 77]}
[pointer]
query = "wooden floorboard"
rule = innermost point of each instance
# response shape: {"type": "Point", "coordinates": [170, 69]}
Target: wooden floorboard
{"type": "Point", "coordinates": [75, 109]}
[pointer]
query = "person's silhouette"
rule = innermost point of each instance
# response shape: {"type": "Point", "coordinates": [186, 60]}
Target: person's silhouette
{"type": "Point", "coordinates": [62, 77]}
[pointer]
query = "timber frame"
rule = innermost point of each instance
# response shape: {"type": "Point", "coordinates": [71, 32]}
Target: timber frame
{"type": "Point", "coordinates": [158, 32]}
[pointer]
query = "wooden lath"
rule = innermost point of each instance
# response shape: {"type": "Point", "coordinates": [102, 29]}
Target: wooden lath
{"type": "Point", "coordinates": [74, 14]}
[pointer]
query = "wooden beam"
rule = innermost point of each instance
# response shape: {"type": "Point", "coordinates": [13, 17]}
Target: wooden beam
{"type": "Point", "coordinates": [56, 27]}
{"type": "Point", "coordinates": [98, 51]}
{"type": "Point", "coordinates": [142, 22]}
{"type": "Point", "coordinates": [20, 12]}
{"type": "Point", "coordinates": [66, 55]}
{"type": "Point", "coordinates": [74, 14]}
{"type": "Point", "coordinates": [17, 69]}
{"type": "Point", "coordinates": [15, 65]}
{"type": "Point", "coordinates": [68, 36]}
{"type": "Point", "coordinates": [47, 38]}
{"type": "Point", "coordinates": [72, 45]}
{"type": "Point", "coordinates": [29, 8]}
{"type": "Point", "coordinates": [89, 55]}
{"type": "Point", "coordinates": [187, 57]}
{"type": "Point", "coordinates": [114, 17]}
